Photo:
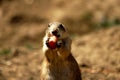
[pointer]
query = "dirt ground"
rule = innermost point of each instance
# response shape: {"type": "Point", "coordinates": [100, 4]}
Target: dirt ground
{"type": "Point", "coordinates": [94, 27]}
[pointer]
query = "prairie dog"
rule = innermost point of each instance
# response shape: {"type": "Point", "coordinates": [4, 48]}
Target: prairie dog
{"type": "Point", "coordinates": [58, 63]}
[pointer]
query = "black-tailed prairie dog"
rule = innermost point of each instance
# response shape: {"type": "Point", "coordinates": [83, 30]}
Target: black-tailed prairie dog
{"type": "Point", "coordinates": [58, 62]}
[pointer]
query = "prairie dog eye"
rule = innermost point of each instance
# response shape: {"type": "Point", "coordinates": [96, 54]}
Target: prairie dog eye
{"type": "Point", "coordinates": [62, 27]}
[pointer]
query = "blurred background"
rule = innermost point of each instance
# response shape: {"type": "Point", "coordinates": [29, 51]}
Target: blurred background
{"type": "Point", "coordinates": [93, 25]}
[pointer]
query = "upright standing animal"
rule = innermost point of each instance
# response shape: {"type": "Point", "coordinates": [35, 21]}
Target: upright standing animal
{"type": "Point", "coordinates": [58, 62]}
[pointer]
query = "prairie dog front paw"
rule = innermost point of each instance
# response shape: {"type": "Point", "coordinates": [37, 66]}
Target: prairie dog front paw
{"type": "Point", "coordinates": [47, 42]}
{"type": "Point", "coordinates": [60, 43]}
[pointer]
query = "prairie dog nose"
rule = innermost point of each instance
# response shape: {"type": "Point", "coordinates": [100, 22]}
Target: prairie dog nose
{"type": "Point", "coordinates": [54, 32]}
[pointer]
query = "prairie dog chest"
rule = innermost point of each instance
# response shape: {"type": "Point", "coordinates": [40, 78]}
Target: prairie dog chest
{"type": "Point", "coordinates": [58, 71]}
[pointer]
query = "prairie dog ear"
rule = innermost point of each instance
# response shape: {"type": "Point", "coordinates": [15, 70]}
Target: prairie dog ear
{"type": "Point", "coordinates": [61, 26]}
{"type": "Point", "coordinates": [48, 25]}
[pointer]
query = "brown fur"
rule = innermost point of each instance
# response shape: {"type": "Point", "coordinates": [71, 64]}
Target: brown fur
{"type": "Point", "coordinates": [59, 64]}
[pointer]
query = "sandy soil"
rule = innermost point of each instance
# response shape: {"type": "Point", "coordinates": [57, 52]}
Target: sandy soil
{"type": "Point", "coordinates": [93, 26]}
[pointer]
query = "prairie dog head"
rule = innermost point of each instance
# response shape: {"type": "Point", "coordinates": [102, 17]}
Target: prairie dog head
{"type": "Point", "coordinates": [57, 29]}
